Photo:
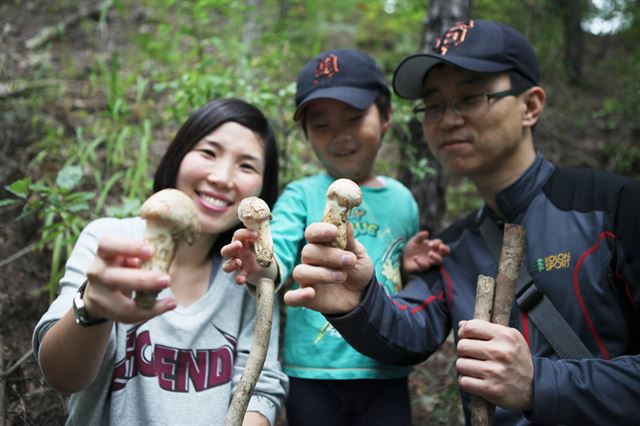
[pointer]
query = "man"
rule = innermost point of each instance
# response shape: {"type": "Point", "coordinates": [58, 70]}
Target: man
{"type": "Point", "coordinates": [481, 100]}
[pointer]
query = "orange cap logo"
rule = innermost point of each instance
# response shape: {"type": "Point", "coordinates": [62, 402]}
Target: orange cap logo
{"type": "Point", "coordinates": [326, 67]}
{"type": "Point", "coordinates": [453, 37]}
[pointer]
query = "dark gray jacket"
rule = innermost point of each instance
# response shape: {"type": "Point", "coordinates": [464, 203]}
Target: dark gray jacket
{"type": "Point", "coordinates": [582, 250]}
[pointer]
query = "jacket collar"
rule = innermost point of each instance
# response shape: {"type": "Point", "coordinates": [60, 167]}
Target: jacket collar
{"type": "Point", "coordinates": [514, 199]}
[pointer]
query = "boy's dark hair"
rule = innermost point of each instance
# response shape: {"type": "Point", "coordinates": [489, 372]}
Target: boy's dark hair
{"type": "Point", "coordinates": [204, 121]}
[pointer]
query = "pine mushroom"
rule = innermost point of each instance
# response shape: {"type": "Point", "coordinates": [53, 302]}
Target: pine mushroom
{"type": "Point", "coordinates": [255, 214]}
{"type": "Point", "coordinates": [172, 219]}
{"type": "Point", "coordinates": [342, 196]}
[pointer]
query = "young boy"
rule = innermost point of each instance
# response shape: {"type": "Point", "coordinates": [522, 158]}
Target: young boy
{"type": "Point", "coordinates": [344, 107]}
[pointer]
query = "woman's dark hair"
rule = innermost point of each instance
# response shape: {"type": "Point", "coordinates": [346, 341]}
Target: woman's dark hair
{"type": "Point", "coordinates": [204, 121]}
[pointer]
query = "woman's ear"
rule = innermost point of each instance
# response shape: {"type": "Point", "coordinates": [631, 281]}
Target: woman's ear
{"type": "Point", "coordinates": [534, 98]}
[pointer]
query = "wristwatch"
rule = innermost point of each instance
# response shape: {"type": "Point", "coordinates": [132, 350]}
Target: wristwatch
{"type": "Point", "coordinates": [80, 311]}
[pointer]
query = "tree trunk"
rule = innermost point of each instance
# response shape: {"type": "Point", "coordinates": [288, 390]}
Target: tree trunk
{"type": "Point", "coordinates": [430, 191]}
{"type": "Point", "coordinates": [573, 40]}
{"type": "Point", "coordinates": [251, 30]}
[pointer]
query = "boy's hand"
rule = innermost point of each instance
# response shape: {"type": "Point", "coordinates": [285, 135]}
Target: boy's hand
{"type": "Point", "coordinates": [332, 281]}
{"type": "Point", "coordinates": [421, 253]}
{"type": "Point", "coordinates": [242, 257]}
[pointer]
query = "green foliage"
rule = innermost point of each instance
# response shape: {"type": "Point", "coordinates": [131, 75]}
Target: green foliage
{"type": "Point", "coordinates": [462, 198]}
{"type": "Point", "coordinates": [60, 209]}
{"type": "Point", "coordinates": [176, 55]}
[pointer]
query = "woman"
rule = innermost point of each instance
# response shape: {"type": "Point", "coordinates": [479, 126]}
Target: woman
{"type": "Point", "coordinates": [179, 362]}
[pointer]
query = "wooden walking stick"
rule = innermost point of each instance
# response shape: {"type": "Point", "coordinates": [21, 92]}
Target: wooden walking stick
{"type": "Point", "coordinates": [511, 258]}
{"type": "Point", "coordinates": [481, 414]}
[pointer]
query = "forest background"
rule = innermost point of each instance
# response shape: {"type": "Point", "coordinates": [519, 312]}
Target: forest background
{"type": "Point", "coordinates": [91, 93]}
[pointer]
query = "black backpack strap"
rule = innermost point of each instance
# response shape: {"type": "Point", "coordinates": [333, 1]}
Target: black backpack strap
{"type": "Point", "coordinates": [532, 301]}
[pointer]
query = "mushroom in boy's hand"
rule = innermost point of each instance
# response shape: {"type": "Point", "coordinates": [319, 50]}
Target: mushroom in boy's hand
{"type": "Point", "coordinates": [342, 196]}
{"type": "Point", "coordinates": [172, 218]}
{"type": "Point", "coordinates": [254, 213]}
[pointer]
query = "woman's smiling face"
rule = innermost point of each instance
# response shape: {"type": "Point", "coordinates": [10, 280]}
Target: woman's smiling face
{"type": "Point", "coordinates": [221, 170]}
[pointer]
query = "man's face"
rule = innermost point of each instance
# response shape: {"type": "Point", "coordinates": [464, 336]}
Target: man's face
{"type": "Point", "coordinates": [479, 142]}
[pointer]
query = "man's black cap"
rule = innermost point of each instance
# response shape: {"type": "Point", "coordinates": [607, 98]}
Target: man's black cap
{"type": "Point", "coordinates": [479, 46]}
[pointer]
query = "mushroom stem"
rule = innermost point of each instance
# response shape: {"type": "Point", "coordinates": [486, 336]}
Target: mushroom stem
{"type": "Point", "coordinates": [342, 196]}
{"type": "Point", "coordinates": [171, 218]}
{"type": "Point", "coordinates": [255, 215]}
{"type": "Point", "coordinates": [164, 250]}
{"type": "Point", "coordinates": [259, 348]}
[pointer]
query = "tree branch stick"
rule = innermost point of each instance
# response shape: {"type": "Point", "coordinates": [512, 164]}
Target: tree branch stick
{"type": "Point", "coordinates": [508, 269]}
{"type": "Point", "coordinates": [17, 255]}
{"type": "Point", "coordinates": [481, 413]}
{"type": "Point", "coordinates": [249, 378]}
{"type": "Point", "coordinates": [49, 33]}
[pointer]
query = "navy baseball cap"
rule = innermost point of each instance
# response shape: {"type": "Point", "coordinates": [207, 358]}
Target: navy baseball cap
{"type": "Point", "coordinates": [346, 75]}
{"type": "Point", "coordinates": [479, 46]}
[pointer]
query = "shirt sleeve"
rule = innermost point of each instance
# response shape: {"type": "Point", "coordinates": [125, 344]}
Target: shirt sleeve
{"type": "Point", "coordinates": [401, 330]}
{"type": "Point", "coordinates": [76, 267]}
{"type": "Point", "coordinates": [586, 392]}
{"type": "Point", "coordinates": [289, 220]}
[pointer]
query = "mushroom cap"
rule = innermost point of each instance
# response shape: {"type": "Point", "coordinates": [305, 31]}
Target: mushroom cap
{"type": "Point", "coordinates": [345, 190]}
{"type": "Point", "coordinates": [253, 209]}
{"type": "Point", "coordinates": [174, 210]}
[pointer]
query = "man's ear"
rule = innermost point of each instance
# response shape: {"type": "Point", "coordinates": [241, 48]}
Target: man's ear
{"type": "Point", "coordinates": [534, 98]}
{"type": "Point", "coordinates": [385, 121]}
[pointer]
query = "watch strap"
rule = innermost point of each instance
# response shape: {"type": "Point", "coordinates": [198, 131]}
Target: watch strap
{"type": "Point", "coordinates": [80, 311]}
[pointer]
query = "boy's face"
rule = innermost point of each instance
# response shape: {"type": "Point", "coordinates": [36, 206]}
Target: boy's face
{"type": "Point", "coordinates": [346, 140]}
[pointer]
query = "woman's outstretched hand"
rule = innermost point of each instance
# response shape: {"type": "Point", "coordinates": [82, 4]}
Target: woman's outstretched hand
{"type": "Point", "coordinates": [114, 275]}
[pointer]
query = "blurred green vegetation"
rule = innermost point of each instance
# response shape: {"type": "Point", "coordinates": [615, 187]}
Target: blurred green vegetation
{"type": "Point", "coordinates": [116, 88]}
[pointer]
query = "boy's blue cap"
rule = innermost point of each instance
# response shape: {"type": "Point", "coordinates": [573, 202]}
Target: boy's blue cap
{"type": "Point", "coordinates": [478, 46]}
{"type": "Point", "coordinates": [346, 75]}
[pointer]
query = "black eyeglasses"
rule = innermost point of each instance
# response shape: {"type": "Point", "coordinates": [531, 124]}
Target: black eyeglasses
{"type": "Point", "coordinates": [467, 106]}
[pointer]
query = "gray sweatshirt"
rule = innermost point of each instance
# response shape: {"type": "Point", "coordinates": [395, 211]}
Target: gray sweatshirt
{"type": "Point", "coordinates": [179, 368]}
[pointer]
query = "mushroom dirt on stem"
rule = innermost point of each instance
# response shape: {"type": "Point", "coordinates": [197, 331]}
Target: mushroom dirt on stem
{"type": "Point", "coordinates": [342, 196]}
{"type": "Point", "coordinates": [172, 218]}
{"type": "Point", "coordinates": [255, 215]}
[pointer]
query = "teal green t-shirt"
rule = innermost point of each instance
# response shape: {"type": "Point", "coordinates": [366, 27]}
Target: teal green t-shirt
{"type": "Point", "coordinates": [383, 223]}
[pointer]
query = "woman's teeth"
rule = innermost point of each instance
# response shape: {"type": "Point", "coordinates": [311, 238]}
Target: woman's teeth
{"type": "Point", "coordinates": [214, 201]}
